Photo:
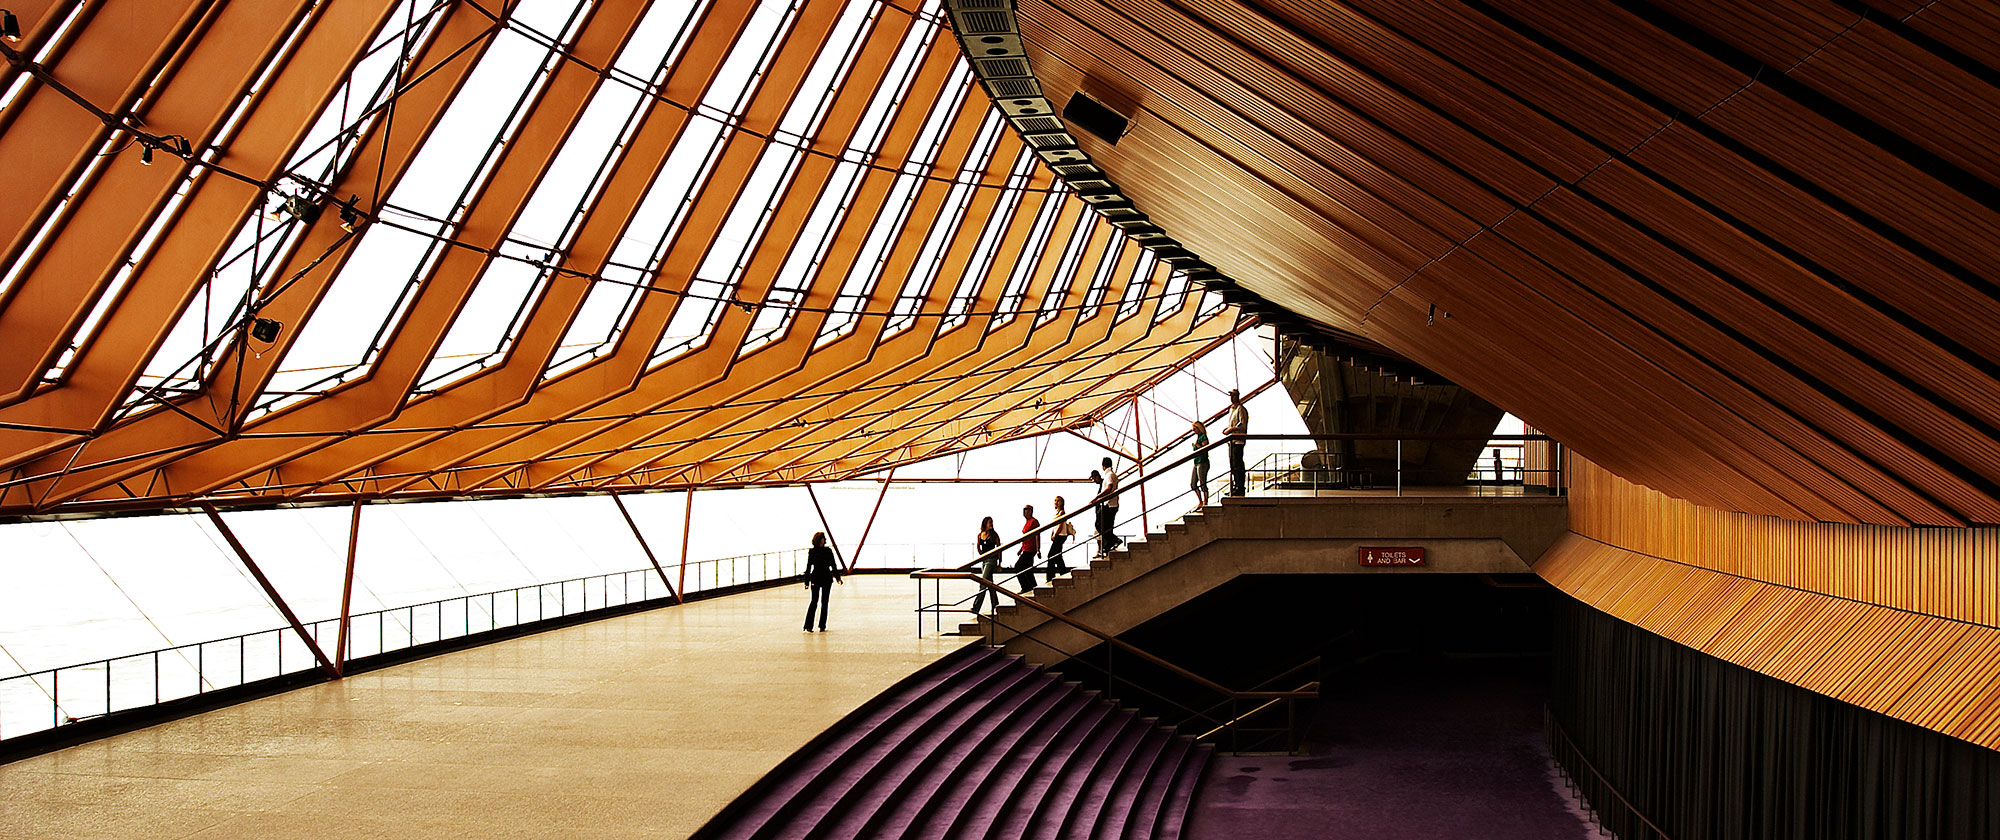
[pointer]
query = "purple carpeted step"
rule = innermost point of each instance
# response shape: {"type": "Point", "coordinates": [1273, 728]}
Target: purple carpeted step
{"type": "Point", "coordinates": [1114, 807]}
{"type": "Point", "coordinates": [1078, 795]}
{"type": "Point", "coordinates": [1145, 814]}
{"type": "Point", "coordinates": [887, 718]}
{"type": "Point", "coordinates": [992, 790]}
{"type": "Point", "coordinates": [897, 786]}
{"type": "Point", "coordinates": [1174, 815]}
{"type": "Point", "coordinates": [942, 794]}
{"type": "Point", "coordinates": [1025, 800]}
{"type": "Point", "coordinates": [1013, 687]}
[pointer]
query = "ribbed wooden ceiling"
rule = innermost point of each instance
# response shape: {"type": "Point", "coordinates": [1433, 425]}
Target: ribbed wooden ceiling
{"type": "Point", "coordinates": [258, 251]}
{"type": "Point", "coordinates": [1743, 253]}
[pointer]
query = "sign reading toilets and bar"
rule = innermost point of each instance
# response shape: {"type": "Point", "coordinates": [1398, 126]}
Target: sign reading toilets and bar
{"type": "Point", "coordinates": [1381, 556]}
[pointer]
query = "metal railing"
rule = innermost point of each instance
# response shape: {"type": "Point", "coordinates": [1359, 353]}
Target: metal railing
{"type": "Point", "coordinates": [1244, 718]}
{"type": "Point", "coordinates": [53, 698]}
{"type": "Point", "coordinates": [1608, 810]}
{"type": "Point", "coordinates": [1277, 474]}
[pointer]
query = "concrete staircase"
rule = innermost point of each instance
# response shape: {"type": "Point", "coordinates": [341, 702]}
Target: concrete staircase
{"type": "Point", "coordinates": [1272, 535]}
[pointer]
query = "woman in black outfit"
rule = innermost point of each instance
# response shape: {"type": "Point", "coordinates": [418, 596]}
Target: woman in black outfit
{"type": "Point", "coordinates": [989, 560]}
{"type": "Point", "coordinates": [821, 572]}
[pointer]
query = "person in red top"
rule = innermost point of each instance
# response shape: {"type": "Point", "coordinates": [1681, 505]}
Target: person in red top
{"type": "Point", "coordinates": [1031, 548]}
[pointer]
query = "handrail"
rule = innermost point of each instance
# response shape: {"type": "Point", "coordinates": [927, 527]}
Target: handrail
{"type": "Point", "coordinates": [196, 659]}
{"type": "Point", "coordinates": [1556, 731]}
{"type": "Point", "coordinates": [1109, 639]}
{"type": "Point", "coordinates": [1311, 687]}
{"type": "Point", "coordinates": [1188, 457]}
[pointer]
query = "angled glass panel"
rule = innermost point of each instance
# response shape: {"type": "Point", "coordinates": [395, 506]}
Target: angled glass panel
{"type": "Point", "coordinates": [1174, 296]}
{"type": "Point", "coordinates": [346, 331]}
{"type": "Point", "coordinates": [1032, 253]}
{"type": "Point", "coordinates": [985, 251]}
{"type": "Point", "coordinates": [1100, 281]}
{"type": "Point", "coordinates": [1135, 288]}
{"type": "Point", "coordinates": [802, 265]}
{"type": "Point", "coordinates": [930, 259]}
{"type": "Point", "coordinates": [1066, 268]}
{"type": "Point", "coordinates": [890, 226]}
{"type": "Point", "coordinates": [635, 262]}
{"type": "Point", "coordinates": [219, 310]}
{"type": "Point", "coordinates": [716, 280]}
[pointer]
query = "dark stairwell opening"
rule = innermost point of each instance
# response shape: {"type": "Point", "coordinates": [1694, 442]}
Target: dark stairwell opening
{"type": "Point", "coordinates": [1430, 718]}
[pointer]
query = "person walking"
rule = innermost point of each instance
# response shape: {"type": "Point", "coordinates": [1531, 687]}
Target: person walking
{"type": "Point", "coordinates": [1031, 550]}
{"type": "Point", "coordinates": [989, 560]}
{"type": "Point", "coordinates": [1199, 484]}
{"type": "Point", "coordinates": [1063, 531]}
{"type": "Point", "coordinates": [1239, 425]}
{"type": "Point", "coordinates": [821, 573]}
{"type": "Point", "coordinates": [1107, 511]}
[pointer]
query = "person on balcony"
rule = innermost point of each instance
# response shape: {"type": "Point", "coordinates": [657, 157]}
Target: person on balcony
{"type": "Point", "coordinates": [1200, 482]}
{"type": "Point", "coordinates": [820, 575]}
{"type": "Point", "coordinates": [1031, 549]}
{"type": "Point", "coordinates": [989, 560]}
{"type": "Point", "coordinates": [1063, 531]}
{"type": "Point", "coordinates": [1239, 425]}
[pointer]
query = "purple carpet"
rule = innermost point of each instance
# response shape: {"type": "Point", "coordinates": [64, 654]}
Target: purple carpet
{"type": "Point", "coordinates": [1450, 749]}
{"type": "Point", "coordinates": [978, 745]}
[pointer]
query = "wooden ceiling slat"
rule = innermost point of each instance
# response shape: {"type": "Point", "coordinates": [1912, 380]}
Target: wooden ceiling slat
{"type": "Point", "coordinates": [1970, 28]}
{"type": "Point", "coordinates": [1780, 33]}
{"type": "Point", "coordinates": [1557, 87]}
{"type": "Point", "coordinates": [1904, 88]}
{"type": "Point", "coordinates": [1647, 325]}
{"type": "Point", "coordinates": [1812, 353]}
{"type": "Point", "coordinates": [1236, 137]}
{"type": "Point", "coordinates": [1634, 49]}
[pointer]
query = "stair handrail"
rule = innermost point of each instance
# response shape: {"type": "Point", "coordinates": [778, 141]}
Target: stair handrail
{"type": "Point", "coordinates": [1219, 442]}
{"type": "Point", "coordinates": [1107, 638]}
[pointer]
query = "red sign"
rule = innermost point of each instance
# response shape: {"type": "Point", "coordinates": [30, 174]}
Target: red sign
{"type": "Point", "coordinates": [1376, 556]}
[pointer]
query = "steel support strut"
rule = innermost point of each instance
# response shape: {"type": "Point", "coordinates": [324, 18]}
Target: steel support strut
{"type": "Point", "coordinates": [847, 564]}
{"type": "Point", "coordinates": [347, 592]}
{"type": "Point", "coordinates": [865, 529]}
{"type": "Point", "coordinates": [620, 502]}
{"type": "Point", "coordinates": [269, 590]}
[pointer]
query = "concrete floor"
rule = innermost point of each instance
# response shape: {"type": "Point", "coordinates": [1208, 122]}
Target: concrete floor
{"type": "Point", "coordinates": [643, 725]}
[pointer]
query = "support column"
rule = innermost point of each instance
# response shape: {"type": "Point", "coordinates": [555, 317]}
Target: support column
{"type": "Point", "coordinates": [634, 525]}
{"type": "Point", "coordinates": [269, 590]}
{"type": "Point", "coordinates": [865, 529]}
{"type": "Point", "coordinates": [849, 566]}
{"type": "Point", "coordinates": [347, 592]}
{"type": "Point", "coordinates": [687, 527]}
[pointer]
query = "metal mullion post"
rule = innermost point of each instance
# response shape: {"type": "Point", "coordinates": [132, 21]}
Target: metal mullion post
{"type": "Point", "coordinates": [269, 590]}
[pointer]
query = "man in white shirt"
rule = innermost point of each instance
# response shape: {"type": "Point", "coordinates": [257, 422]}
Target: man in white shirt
{"type": "Point", "coordinates": [1239, 425]}
{"type": "Point", "coordinates": [1107, 511]}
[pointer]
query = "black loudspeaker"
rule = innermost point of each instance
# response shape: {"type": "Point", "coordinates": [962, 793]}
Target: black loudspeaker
{"type": "Point", "coordinates": [1091, 115]}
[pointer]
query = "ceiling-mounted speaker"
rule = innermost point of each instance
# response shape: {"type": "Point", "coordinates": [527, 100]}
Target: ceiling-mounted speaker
{"type": "Point", "coordinates": [1092, 116]}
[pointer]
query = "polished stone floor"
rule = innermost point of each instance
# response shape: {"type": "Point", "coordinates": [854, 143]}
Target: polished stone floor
{"type": "Point", "coordinates": [642, 725]}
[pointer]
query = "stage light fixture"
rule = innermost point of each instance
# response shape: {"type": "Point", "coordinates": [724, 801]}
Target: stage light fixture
{"type": "Point", "coordinates": [265, 329]}
{"type": "Point", "coordinates": [10, 27]}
